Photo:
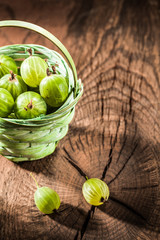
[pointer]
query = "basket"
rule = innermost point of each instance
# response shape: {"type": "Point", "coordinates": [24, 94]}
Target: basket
{"type": "Point", "coordinates": [33, 139]}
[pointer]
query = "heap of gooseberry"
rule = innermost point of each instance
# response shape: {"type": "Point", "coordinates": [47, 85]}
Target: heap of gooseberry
{"type": "Point", "coordinates": [35, 90]}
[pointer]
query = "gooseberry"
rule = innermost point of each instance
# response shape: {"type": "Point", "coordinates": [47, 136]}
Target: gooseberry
{"type": "Point", "coordinates": [46, 199]}
{"type": "Point", "coordinates": [33, 69]}
{"type": "Point", "coordinates": [95, 191]}
{"type": "Point", "coordinates": [7, 64]}
{"type": "Point", "coordinates": [54, 90]}
{"type": "Point", "coordinates": [6, 102]}
{"type": "Point", "coordinates": [29, 105]}
{"type": "Point", "coordinates": [14, 84]}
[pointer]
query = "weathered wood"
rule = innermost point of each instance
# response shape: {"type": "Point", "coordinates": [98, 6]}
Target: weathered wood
{"type": "Point", "coordinates": [115, 134]}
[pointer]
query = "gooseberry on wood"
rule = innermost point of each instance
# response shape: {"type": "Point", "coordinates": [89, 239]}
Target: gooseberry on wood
{"type": "Point", "coordinates": [46, 199]}
{"type": "Point", "coordinates": [95, 191]}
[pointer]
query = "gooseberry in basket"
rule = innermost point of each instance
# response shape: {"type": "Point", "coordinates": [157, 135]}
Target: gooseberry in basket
{"type": "Point", "coordinates": [54, 90]}
{"type": "Point", "coordinates": [14, 84]}
{"type": "Point", "coordinates": [33, 69]}
{"type": "Point", "coordinates": [29, 105]}
{"type": "Point", "coordinates": [7, 64]}
{"type": "Point", "coordinates": [6, 103]}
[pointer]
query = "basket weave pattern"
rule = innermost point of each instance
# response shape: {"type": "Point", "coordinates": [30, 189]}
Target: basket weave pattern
{"type": "Point", "coordinates": [32, 139]}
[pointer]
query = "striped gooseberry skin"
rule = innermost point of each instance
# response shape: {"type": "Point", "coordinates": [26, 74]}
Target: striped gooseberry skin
{"type": "Point", "coordinates": [15, 85]}
{"type": "Point", "coordinates": [7, 64]}
{"type": "Point", "coordinates": [33, 69]}
{"type": "Point", "coordinates": [6, 102]}
{"type": "Point", "coordinates": [54, 90]}
{"type": "Point", "coordinates": [29, 105]}
{"type": "Point", "coordinates": [46, 200]}
{"type": "Point", "coordinates": [95, 191]}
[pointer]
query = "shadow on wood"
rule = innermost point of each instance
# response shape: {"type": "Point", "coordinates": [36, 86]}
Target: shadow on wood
{"type": "Point", "coordinates": [126, 162]}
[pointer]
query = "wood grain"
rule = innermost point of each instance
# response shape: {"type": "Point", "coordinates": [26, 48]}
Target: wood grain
{"type": "Point", "coordinates": [115, 134]}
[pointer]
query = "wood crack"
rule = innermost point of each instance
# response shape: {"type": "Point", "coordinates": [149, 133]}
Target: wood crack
{"type": "Point", "coordinates": [85, 224]}
{"type": "Point", "coordinates": [143, 187]}
{"type": "Point", "coordinates": [124, 165]}
{"type": "Point", "coordinates": [108, 164]}
{"type": "Point", "coordinates": [110, 152]}
{"type": "Point", "coordinates": [127, 207]}
{"type": "Point", "coordinates": [130, 101]}
{"type": "Point", "coordinates": [72, 162]}
{"type": "Point", "coordinates": [124, 141]}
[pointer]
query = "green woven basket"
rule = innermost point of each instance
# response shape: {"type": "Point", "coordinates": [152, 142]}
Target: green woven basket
{"type": "Point", "coordinates": [33, 139]}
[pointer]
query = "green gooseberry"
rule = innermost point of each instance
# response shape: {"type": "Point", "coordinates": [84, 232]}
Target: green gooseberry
{"type": "Point", "coordinates": [6, 103]}
{"type": "Point", "coordinates": [54, 90]}
{"type": "Point", "coordinates": [7, 64]}
{"type": "Point", "coordinates": [95, 191]}
{"type": "Point", "coordinates": [29, 105]}
{"type": "Point", "coordinates": [14, 84]}
{"type": "Point", "coordinates": [46, 199]}
{"type": "Point", "coordinates": [33, 69]}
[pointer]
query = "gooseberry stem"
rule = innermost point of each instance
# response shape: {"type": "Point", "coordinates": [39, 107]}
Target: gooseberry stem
{"type": "Point", "coordinates": [29, 51]}
{"type": "Point", "coordinates": [12, 76]}
{"type": "Point", "coordinates": [48, 72]}
{"type": "Point", "coordinates": [102, 199]}
{"type": "Point", "coordinates": [86, 178]}
{"type": "Point", "coordinates": [54, 69]}
{"type": "Point", "coordinates": [30, 104]}
{"type": "Point", "coordinates": [34, 180]}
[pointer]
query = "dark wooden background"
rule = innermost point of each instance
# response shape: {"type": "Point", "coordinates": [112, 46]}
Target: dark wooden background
{"type": "Point", "coordinates": [115, 134]}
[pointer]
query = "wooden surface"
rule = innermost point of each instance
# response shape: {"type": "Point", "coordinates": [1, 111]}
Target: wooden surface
{"type": "Point", "coordinates": [115, 134]}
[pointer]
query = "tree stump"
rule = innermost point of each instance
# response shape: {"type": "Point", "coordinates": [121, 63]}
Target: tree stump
{"type": "Point", "coordinates": [115, 134]}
